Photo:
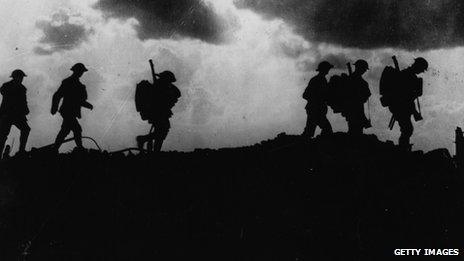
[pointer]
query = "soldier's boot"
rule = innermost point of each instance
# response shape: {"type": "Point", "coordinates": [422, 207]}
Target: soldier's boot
{"type": "Point", "coordinates": [78, 140]}
{"type": "Point", "coordinates": [309, 131]}
{"type": "Point", "coordinates": [23, 140]}
{"type": "Point", "coordinates": [404, 144]}
{"type": "Point", "coordinates": [405, 147]}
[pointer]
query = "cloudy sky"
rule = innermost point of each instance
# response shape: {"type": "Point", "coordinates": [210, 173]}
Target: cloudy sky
{"type": "Point", "coordinates": [241, 65]}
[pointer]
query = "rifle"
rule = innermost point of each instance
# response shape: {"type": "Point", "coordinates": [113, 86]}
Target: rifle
{"type": "Point", "coordinates": [153, 74]}
{"type": "Point", "coordinates": [350, 71]}
{"type": "Point", "coordinates": [391, 124]}
{"type": "Point", "coordinates": [152, 129]}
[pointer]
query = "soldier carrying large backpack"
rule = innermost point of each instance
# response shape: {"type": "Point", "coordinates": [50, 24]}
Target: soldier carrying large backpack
{"type": "Point", "coordinates": [347, 94]}
{"type": "Point", "coordinates": [358, 94]}
{"type": "Point", "coordinates": [316, 108]}
{"type": "Point", "coordinates": [399, 90]}
{"type": "Point", "coordinates": [155, 103]}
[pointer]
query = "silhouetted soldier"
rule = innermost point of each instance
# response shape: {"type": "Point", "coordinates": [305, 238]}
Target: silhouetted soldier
{"type": "Point", "coordinates": [74, 96]}
{"type": "Point", "coordinates": [358, 94]}
{"type": "Point", "coordinates": [14, 109]}
{"type": "Point", "coordinates": [164, 97]}
{"type": "Point", "coordinates": [316, 108]}
{"type": "Point", "coordinates": [402, 105]}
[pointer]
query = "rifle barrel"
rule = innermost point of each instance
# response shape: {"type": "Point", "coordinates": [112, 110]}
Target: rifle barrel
{"type": "Point", "coordinates": [152, 67]}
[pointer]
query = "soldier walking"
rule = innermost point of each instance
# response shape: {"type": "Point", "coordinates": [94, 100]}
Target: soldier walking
{"type": "Point", "coordinates": [13, 110]}
{"type": "Point", "coordinates": [316, 108]}
{"type": "Point", "coordinates": [358, 95]}
{"type": "Point", "coordinates": [402, 104]}
{"type": "Point", "coordinates": [162, 98]}
{"type": "Point", "coordinates": [74, 96]}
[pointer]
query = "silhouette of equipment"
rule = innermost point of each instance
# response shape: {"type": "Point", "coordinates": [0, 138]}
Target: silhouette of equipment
{"type": "Point", "coordinates": [154, 101]}
{"type": "Point", "coordinates": [71, 139]}
{"type": "Point", "coordinates": [388, 84]}
{"type": "Point", "coordinates": [363, 64]}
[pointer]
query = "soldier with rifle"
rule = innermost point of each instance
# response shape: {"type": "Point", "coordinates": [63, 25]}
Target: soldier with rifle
{"type": "Point", "coordinates": [74, 96]}
{"type": "Point", "coordinates": [358, 94]}
{"type": "Point", "coordinates": [14, 109]}
{"type": "Point", "coordinates": [402, 104]}
{"type": "Point", "coordinates": [316, 109]}
{"type": "Point", "coordinates": [155, 102]}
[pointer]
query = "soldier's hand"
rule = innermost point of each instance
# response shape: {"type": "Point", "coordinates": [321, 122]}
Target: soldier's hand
{"type": "Point", "coordinates": [90, 106]}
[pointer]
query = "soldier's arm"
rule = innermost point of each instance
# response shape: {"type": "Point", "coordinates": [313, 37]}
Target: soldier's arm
{"type": "Point", "coordinates": [366, 92]}
{"type": "Point", "coordinates": [85, 103]}
{"type": "Point", "coordinates": [56, 99]}
{"type": "Point", "coordinates": [307, 90]}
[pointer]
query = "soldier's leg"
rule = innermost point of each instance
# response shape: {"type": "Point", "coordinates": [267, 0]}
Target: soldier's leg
{"type": "Point", "coordinates": [325, 126]}
{"type": "Point", "coordinates": [5, 126]}
{"type": "Point", "coordinates": [352, 126]}
{"type": "Point", "coordinates": [161, 132]}
{"type": "Point", "coordinates": [356, 121]}
{"type": "Point", "coordinates": [406, 128]}
{"type": "Point", "coordinates": [77, 131]}
{"type": "Point", "coordinates": [24, 128]}
{"type": "Point", "coordinates": [311, 125]}
{"type": "Point", "coordinates": [148, 138]}
{"type": "Point", "coordinates": [64, 131]}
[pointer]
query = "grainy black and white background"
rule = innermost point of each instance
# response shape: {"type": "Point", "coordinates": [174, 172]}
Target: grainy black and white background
{"type": "Point", "coordinates": [241, 65]}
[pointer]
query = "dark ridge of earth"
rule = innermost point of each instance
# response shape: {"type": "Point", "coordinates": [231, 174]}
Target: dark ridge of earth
{"type": "Point", "coordinates": [331, 198]}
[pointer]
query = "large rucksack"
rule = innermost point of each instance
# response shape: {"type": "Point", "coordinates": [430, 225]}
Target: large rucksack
{"type": "Point", "coordinates": [389, 82]}
{"type": "Point", "coordinates": [144, 98]}
{"type": "Point", "coordinates": [338, 90]}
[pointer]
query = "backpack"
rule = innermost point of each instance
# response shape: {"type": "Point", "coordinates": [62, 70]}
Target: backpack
{"type": "Point", "coordinates": [337, 92]}
{"type": "Point", "coordinates": [144, 98]}
{"type": "Point", "coordinates": [388, 85]}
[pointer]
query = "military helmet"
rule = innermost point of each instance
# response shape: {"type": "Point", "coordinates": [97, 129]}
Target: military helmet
{"type": "Point", "coordinates": [17, 73]}
{"type": "Point", "coordinates": [362, 64]}
{"type": "Point", "coordinates": [419, 61]}
{"type": "Point", "coordinates": [168, 76]}
{"type": "Point", "coordinates": [324, 65]}
{"type": "Point", "coordinates": [79, 67]}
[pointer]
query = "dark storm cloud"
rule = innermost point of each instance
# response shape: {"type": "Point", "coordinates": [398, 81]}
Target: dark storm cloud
{"type": "Point", "coordinates": [60, 34]}
{"type": "Point", "coordinates": [368, 24]}
{"type": "Point", "coordinates": [168, 18]}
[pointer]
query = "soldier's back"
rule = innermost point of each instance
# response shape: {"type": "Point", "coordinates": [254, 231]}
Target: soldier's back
{"type": "Point", "coordinates": [14, 99]}
{"type": "Point", "coordinates": [361, 91]}
{"type": "Point", "coordinates": [408, 87]}
{"type": "Point", "coordinates": [165, 97]}
{"type": "Point", "coordinates": [317, 89]}
{"type": "Point", "coordinates": [74, 94]}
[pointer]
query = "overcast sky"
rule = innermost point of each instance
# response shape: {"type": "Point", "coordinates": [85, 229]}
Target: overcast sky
{"type": "Point", "coordinates": [241, 67]}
